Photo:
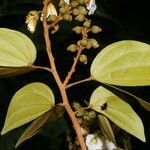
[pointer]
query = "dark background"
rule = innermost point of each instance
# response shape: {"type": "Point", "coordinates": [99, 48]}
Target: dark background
{"type": "Point", "coordinates": [119, 19]}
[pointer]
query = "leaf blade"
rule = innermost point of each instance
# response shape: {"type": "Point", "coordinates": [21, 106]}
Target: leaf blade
{"type": "Point", "coordinates": [17, 52]}
{"type": "Point", "coordinates": [106, 128]}
{"type": "Point", "coordinates": [117, 111]}
{"type": "Point", "coordinates": [50, 116]}
{"type": "Point", "coordinates": [28, 103]}
{"type": "Point", "coordinates": [124, 63]}
{"type": "Point", "coordinates": [143, 103]}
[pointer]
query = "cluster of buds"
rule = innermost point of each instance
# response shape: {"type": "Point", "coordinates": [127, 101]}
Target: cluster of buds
{"type": "Point", "coordinates": [85, 42]}
{"type": "Point", "coordinates": [68, 10]}
{"type": "Point", "coordinates": [94, 139]}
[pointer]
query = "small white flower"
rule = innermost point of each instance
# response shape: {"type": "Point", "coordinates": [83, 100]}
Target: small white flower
{"type": "Point", "coordinates": [93, 142]}
{"type": "Point", "coordinates": [91, 7]}
{"type": "Point", "coordinates": [110, 145]}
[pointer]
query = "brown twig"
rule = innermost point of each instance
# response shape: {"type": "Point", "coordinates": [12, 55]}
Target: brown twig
{"type": "Point", "coordinates": [57, 78]}
{"type": "Point", "coordinates": [41, 67]}
{"type": "Point", "coordinates": [79, 82]}
{"type": "Point", "coordinates": [72, 70]}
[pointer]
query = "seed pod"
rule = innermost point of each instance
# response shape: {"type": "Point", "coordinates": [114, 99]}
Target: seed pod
{"type": "Point", "coordinates": [83, 59]}
{"type": "Point", "coordinates": [76, 106]}
{"type": "Point", "coordinates": [78, 29]}
{"type": "Point", "coordinates": [75, 11]}
{"type": "Point", "coordinates": [82, 10]}
{"type": "Point", "coordinates": [72, 48]}
{"type": "Point", "coordinates": [96, 29]}
{"type": "Point", "coordinates": [67, 17]}
{"type": "Point", "coordinates": [87, 24]}
{"type": "Point", "coordinates": [94, 43]}
{"type": "Point", "coordinates": [83, 42]}
{"type": "Point", "coordinates": [80, 18]}
{"type": "Point", "coordinates": [79, 43]}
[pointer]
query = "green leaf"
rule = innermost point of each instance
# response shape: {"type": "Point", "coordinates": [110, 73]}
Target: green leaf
{"type": "Point", "coordinates": [143, 103]}
{"type": "Point", "coordinates": [106, 128]}
{"type": "Point", "coordinates": [50, 116]}
{"type": "Point", "coordinates": [118, 111]}
{"type": "Point", "coordinates": [125, 63]}
{"type": "Point", "coordinates": [17, 52]}
{"type": "Point", "coordinates": [28, 103]}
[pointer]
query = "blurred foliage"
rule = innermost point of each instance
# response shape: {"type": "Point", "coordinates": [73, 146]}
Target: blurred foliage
{"type": "Point", "coordinates": [119, 19]}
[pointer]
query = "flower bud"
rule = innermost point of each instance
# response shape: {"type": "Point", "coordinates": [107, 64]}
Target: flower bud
{"type": "Point", "coordinates": [78, 29]}
{"type": "Point", "coordinates": [74, 4]}
{"type": "Point", "coordinates": [80, 18]}
{"type": "Point", "coordinates": [80, 113]}
{"type": "Point", "coordinates": [76, 106]}
{"type": "Point", "coordinates": [96, 29]}
{"type": "Point", "coordinates": [88, 45]}
{"type": "Point", "coordinates": [87, 24]}
{"type": "Point", "coordinates": [75, 11]}
{"type": "Point", "coordinates": [81, 2]}
{"type": "Point", "coordinates": [82, 10]}
{"type": "Point", "coordinates": [72, 48]}
{"type": "Point", "coordinates": [62, 10]}
{"type": "Point", "coordinates": [67, 17]}
{"type": "Point", "coordinates": [94, 43]}
{"type": "Point", "coordinates": [83, 42]}
{"type": "Point", "coordinates": [79, 43]}
{"type": "Point", "coordinates": [80, 121]}
{"type": "Point", "coordinates": [83, 59]}
{"type": "Point", "coordinates": [92, 114]}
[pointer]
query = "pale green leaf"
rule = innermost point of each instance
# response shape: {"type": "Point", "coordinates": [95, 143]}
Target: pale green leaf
{"type": "Point", "coordinates": [106, 128]}
{"type": "Point", "coordinates": [50, 116]}
{"type": "Point", "coordinates": [143, 103]}
{"type": "Point", "coordinates": [124, 63]}
{"type": "Point", "coordinates": [17, 52]}
{"type": "Point", "coordinates": [118, 111]}
{"type": "Point", "coordinates": [28, 103]}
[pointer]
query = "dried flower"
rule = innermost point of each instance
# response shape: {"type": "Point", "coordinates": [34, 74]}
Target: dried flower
{"type": "Point", "coordinates": [31, 20]}
{"type": "Point", "coordinates": [51, 10]}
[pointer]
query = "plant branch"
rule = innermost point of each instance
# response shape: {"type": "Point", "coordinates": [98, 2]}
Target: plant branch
{"type": "Point", "coordinates": [61, 86]}
{"type": "Point", "coordinates": [41, 67]}
{"type": "Point", "coordinates": [79, 82]}
{"type": "Point", "coordinates": [72, 70]}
